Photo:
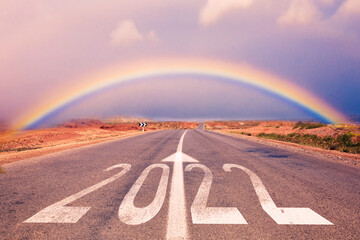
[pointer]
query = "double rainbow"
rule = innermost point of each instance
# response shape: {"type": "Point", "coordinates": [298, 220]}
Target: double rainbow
{"type": "Point", "coordinates": [182, 67]}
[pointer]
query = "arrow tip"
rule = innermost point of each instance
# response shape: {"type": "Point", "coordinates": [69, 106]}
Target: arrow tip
{"type": "Point", "coordinates": [179, 157]}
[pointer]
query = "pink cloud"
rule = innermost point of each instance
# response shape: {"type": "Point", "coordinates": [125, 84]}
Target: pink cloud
{"type": "Point", "coordinates": [349, 8]}
{"type": "Point", "coordinates": [127, 33]}
{"type": "Point", "coordinates": [215, 9]}
{"type": "Point", "coordinates": [300, 12]}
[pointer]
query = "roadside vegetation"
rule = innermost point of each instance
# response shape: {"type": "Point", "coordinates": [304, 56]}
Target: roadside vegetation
{"type": "Point", "coordinates": [242, 133]}
{"type": "Point", "coordinates": [220, 125]}
{"type": "Point", "coordinates": [308, 125]}
{"type": "Point", "coordinates": [347, 142]}
{"type": "Point", "coordinates": [339, 137]}
{"type": "Point", "coordinates": [18, 149]}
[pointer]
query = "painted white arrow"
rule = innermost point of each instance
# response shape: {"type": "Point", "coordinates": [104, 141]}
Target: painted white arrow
{"type": "Point", "coordinates": [177, 228]}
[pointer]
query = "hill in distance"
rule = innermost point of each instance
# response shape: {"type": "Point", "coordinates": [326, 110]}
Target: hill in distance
{"type": "Point", "coordinates": [125, 119]}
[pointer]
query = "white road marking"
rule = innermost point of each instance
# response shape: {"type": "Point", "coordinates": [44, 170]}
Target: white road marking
{"type": "Point", "coordinates": [211, 215]}
{"type": "Point", "coordinates": [181, 142]}
{"type": "Point", "coordinates": [132, 215]}
{"type": "Point", "coordinates": [300, 216]}
{"type": "Point", "coordinates": [59, 213]}
{"type": "Point", "coordinates": [179, 157]}
{"type": "Point", "coordinates": [177, 224]}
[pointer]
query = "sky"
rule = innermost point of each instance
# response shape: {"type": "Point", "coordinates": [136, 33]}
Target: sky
{"type": "Point", "coordinates": [45, 46]}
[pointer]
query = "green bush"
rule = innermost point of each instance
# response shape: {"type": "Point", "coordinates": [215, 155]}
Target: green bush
{"type": "Point", "coordinates": [307, 125]}
{"type": "Point", "coordinates": [342, 143]}
{"type": "Point", "coordinates": [242, 133]}
{"type": "Point", "coordinates": [18, 149]}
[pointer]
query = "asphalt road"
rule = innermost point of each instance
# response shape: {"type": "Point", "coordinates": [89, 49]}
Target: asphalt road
{"type": "Point", "coordinates": [214, 187]}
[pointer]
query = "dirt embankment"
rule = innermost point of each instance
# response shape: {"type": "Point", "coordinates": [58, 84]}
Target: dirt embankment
{"type": "Point", "coordinates": [283, 127]}
{"type": "Point", "coordinates": [341, 140]}
{"type": "Point", "coordinates": [255, 128]}
{"type": "Point", "coordinates": [74, 133]}
{"type": "Point", "coordinates": [33, 143]}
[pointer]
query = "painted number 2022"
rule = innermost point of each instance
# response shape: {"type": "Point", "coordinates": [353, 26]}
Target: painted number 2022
{"type": "Point", "coordinates": [201, 214]}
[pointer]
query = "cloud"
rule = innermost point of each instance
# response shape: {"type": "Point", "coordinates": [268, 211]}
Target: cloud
{"type": "Point", "coordinates": [127, 33]}
{"type": "Point", "coordinates": [152, 36]}
{"type": "Point", "coordinates": [349, 8]}
{"type": "Point", "coordinates": [327, 2]}
{"type": "Point", "coordinates": [300, 12]}
{"type": "Point", "coordinates": [215, 9]}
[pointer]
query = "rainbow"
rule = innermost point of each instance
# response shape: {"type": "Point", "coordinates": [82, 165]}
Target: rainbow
{"type": "Point", "coordinates": [181, 67]}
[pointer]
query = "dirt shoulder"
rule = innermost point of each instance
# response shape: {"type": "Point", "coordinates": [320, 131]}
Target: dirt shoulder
{"type": "Point", "coordinates": [30, 144]}
{"type": "Point", "coordinates": [72, 134]}
{"type": "Point", "coordinates": [309, 138]}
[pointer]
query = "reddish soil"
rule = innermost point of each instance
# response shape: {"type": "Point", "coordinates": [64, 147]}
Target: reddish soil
{"type": "Point", "coordinates": [279, 127]}
{"type": "Point", "coordinates": [121, 127]}
{"type": "Point", "coordinates": [243, 129]}
{"type": "Point", "coordinates": [74, 133]}
{"type": "Point", "coordinates": [32, 143]}
{"type": "Point", "coordinates": [77, 123]}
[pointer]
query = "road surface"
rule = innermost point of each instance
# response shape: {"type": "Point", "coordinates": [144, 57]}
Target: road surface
{"type": "Point", "coordinates": [178, 184]}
